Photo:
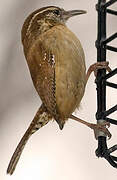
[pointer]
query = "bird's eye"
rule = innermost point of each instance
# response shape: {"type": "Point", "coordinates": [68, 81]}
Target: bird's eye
{"type": "Point", "coordinates": [57, 12]}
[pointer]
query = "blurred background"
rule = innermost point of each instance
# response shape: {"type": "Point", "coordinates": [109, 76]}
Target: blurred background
{"type": "Point", "coordinates": [50, 154]}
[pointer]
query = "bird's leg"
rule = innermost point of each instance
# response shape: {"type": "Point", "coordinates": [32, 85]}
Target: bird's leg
{"type": "Point", "coordinates": [102, 126]}
{"type": "Point", "coordinates": [95, 127]}
{"type": "Point", "coordinates": [94, 67]}
{"type": "Point", "coordinates": [41, 118]}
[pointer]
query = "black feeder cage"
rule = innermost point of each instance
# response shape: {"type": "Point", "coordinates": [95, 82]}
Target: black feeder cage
{"type": "Point", "coordinates": [102, 82]}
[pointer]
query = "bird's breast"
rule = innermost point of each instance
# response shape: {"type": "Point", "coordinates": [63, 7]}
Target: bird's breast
{"type": "Point", "coordinates": [70, 73]}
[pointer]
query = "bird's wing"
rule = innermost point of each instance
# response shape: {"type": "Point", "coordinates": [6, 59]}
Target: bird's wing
{"type": "Point", "coordinates": [42, 68]}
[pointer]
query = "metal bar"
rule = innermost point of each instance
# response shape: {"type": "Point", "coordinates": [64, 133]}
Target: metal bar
{"type": "Point", "coordinates": [112, 121]}
{"type": "Point", "coordinates": [101, 146]}
{"type": "Point", "coordinates": [111, 12]}
{"type": "Point", "coordinates": [111, 84]}
{"type": "Point", "coordinates": [109, 3]}
{"type": "Point", "coordinates": [110, 74]}
{"type": "Point", "coordinates": [110, 160]}
{"type": "Point", "coordinates": [111, 48]}
{"type": "Point", "coordinates": [101, 56]}
{"type": "Point", "coordinates": [101, 89]}
{"type": "Point", "coordinates": [109, 39]}
{"type": "Point", "coordinates": [111, 110]}
{"type": "Point", "coordinates": [114, 158]}
{"type": "Point", "coordinates": [112, 149]}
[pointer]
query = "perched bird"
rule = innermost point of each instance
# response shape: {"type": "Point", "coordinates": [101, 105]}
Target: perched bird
{"type": "Point", "coordinates": [56, 63]}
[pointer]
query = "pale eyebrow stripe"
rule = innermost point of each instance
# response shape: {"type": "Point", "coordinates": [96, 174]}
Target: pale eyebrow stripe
{"type": "Point", "coordinates": [35, 15]}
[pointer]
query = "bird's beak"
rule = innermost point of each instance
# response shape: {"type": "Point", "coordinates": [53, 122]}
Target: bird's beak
{"type": "Point", "coordinates": [67, 14]}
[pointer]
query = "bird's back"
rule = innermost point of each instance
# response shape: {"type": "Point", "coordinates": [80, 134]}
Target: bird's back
{"type": "Point", "coordinates": [57, 66]}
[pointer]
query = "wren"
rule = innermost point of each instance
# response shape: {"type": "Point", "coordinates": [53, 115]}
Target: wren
{"type": "Point", "coordinates": [56, 62]}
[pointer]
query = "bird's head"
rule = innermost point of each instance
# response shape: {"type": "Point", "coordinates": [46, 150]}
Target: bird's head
{"type": "Point", "coordinates": [57, 15]}
{"type": "Point", "coordinates": [43, 19]}
{"type": "Point", "coordinates": [50, 15]}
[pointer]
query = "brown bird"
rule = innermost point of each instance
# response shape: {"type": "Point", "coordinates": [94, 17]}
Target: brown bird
{"type": "Point", "coordinates": [56, 62]}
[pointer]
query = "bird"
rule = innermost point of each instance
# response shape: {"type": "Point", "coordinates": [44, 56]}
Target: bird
{"type": "Point", "coordinates": [56, 62]}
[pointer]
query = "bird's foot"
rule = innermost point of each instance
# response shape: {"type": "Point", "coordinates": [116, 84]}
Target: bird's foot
{"type": "Point", "coordinates": [96, 66]}
{"type": "Point", "coordinates": [101, 129]}
{"type": "Point", "coordinates": [100, 65]}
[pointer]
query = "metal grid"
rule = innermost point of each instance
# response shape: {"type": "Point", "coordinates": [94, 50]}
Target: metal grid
{"type": "Point", "coordinates": [102, 79]}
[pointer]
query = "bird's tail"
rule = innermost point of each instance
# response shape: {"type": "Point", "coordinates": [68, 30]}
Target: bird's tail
{"type": "Point", "coordinates": [41, 118]}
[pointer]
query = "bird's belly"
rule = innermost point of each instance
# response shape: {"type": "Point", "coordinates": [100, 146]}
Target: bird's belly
{"type": "Point", "coordinates": [69, 91]}
{"type": "Point", "coordinates": [69, 78]}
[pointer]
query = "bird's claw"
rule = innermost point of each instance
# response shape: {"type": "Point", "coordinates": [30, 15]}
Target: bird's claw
{"type": "Point", "coordinates": [101, 129]}
{"type": "Point", "coordinates": [100, 65]}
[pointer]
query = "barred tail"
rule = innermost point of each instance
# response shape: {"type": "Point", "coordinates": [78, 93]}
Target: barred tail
{"type": "Point", "coordinates": [41, 118]}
